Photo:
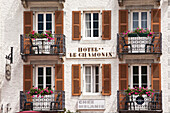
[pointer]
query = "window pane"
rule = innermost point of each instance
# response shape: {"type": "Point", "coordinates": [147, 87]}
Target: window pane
{"type": "Point", "coordinates": [144, 76]}
{"type": "Point", "coordinates": [97, 88]}
{"type": "Point", "coordinates": [135, 76]}
{"type": "Point", "coordinates": [49, 26]}
{"type": "Point", "coordinates": [40, 77]}
{"type": "Point", "coordinates": [40, 17]}
{"type": "Point", "coordinates": [95, 33]}
{"type": "Point", "coordinates": [135, 20]}
{"type": "Point", "coordinates": [88, 70]}
{"type": "Point", "coordinates": [40, 71]}
{"type": "Point", "coordinates": [48, 17]}
{"type": "Point", "coordinates": [40, 26]}
{"type": "Point", "coordinates": [97, 70]}
{"type": "Point", "coordinates": [88, 24]}
{"type": "Point", "coordinates": [95, 25]}
{"type": "Point", "coordinates": [144, 20]}
{"type": "Point", "coordinates": [95, 16]}
{"type": "Point", "coordinates": [88, 79]}
{"type": "Point", "coordinates": [48, 70]}
{"type": "Point", "coordinates": [88, 88]}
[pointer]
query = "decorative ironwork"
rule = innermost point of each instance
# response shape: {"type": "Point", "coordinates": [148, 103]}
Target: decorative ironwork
{"type": "Point", "coordinates": [138, 45]}
{"type": "Point", "coordinates": [131, 103]}
{"type": "Point", "coordinates": [10, 56]}
{"type": "Point", "coordinates": [41, 46]}
{"type": "Point", "coordinates": [52, 102]}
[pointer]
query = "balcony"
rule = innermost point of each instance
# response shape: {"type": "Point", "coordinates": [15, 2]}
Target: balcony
{"type": "Point", "coordinates": [54, 102]}
{"type": "Point", "coordinates": [41, 46]}
{"type": "Point", "coordinates": [133, 104]}
{"type": "Point", "coordinates": [137, 45]}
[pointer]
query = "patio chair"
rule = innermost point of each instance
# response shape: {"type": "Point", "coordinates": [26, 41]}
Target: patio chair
{"type": "Point", "coordinates": [57, 44]}
{"type": "Point", "coordinates": [151, 45]}
{"type": "Point", "coordinates": [125, 44]}
{"type": "Point", "coordinates": [26, 102]}
{"type": "Point", "coordinates": [154, 103]}
{"type": "Point", "coordinates": [130, 102]}
{"type": "Point", "coordinates": [32, 45]}
{"type": "Point", "coordinates": [56, 102]}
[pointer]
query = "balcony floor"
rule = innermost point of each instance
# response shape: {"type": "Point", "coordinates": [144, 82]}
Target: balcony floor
{"type": "Point", "coordinates": [141, 111]}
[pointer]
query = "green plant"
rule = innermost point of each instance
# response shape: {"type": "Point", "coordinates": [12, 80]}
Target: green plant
{"type": "Point", "coordinates": [38, 92]}
{"type": "Point", "coordinates": [139, 31]}
{"type": "Point", "coordinates": [139, 91]}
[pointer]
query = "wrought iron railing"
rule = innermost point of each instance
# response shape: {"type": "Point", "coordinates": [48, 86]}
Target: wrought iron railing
{"type": "Point", "coordinates": [42, 46]}
{"type": "Point", "coordinates": [138, 103]}
{"type": "Point", "coordinates": [137, 44]}
{"type": "Point", "coordinates": [52, 102]}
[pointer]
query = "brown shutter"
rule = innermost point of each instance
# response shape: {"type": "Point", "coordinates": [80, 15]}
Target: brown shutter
{"type": "Point", "coordinates": [59, 77]}
{"type": "Point", "coordinates": [28, 21]}
{"type": "Point", "coordinates": [156, 20]}
{"type": "Point", "coordinates": [76, 79]}
{"type": "Point", "coordinates": [123, 21]}
{"type": "Point", "coordinates": [27, 77]}
{"type": "Point", "coordinates": [58, 22]}
{"type": "Point", "coordinates": [106, 25]}
{"type": "Point", "coordinates": [156, 76]}
{"type": "Point", "coordinates": [76, 25]}
{"type": "Point", "coordinates": [106, 79]}
{"type": "Point", "coordinates": [123, 76]}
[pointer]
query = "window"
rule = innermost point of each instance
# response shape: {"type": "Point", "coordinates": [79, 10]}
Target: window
{"type": "Point", "coordinates": [44, 22]}
{"type": "Point", "coordinates": [44, 77]}
{"type": "Point", "coordinates": [140, 76]}
{"type": "Point", "coordinates": [91, 79]}
{"type": "Point", "coordinates": [140, 19]}
{"type": "Point", "coordinates": [91, 25]}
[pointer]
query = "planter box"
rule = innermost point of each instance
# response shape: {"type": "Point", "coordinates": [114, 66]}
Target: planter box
{"type": "Point", "coordinates": [136, 35]}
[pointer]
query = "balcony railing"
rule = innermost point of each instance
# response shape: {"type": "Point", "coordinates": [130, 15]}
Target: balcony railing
{"type": "Point", "coordinates": [135, 103]}
{"type": "Point", "coordinates": [52, 102]}
{"type": "Point", "coordinates": [41, 46]}
{"type": "Point", "coordinates": [138, 45]}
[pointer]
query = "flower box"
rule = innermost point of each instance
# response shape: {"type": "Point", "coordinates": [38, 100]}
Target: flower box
{"type": "Point", "coordinates": [136, 35]}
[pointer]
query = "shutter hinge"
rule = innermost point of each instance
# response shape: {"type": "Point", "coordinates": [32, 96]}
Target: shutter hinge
{"type": "Point", "coordinates": [81, 13]}
{"type": "Point", "coordinates": [128, 66]}
{"type": "Point", "coordinates": [81, 92]}
{"type": "Point", "coordinates": [101, 36]}
{"type": "Point", "coordinates": [81, 67]}
{"type": "Point", "coordinates": [101, 13]}
{"type": "Point", "coordinates": [53, 86]}
{"type": "Point", "coordinates": [101, 67]}
{"type": "Point", "coordinates": [128, 85]}
{"type": "Point", "coordinates": [54, 13]}
{"type": "Point", "coordinates": [81, 36]}
{"type": "Point", "coordinates": [101, 91]}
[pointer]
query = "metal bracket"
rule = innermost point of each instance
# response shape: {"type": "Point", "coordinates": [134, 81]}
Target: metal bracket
{"type": "Point", "coordinates": [10, 56]}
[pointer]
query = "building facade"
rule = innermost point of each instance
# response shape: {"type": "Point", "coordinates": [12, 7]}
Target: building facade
{"type": "Point", "coordinates": [88, 61]}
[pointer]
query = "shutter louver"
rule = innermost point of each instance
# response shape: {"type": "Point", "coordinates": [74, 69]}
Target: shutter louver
{"type": "Point", "coordinates": [106, 25]}
{"type": "Point", "coordinates": [27, 77]}
{"type": "Point", "coordinates": [59, 77]}
{"type": "Point", "coordinates": [106, 79]}
{"type": "Point", "coordinates": [123, 76]}
{"type": "Point", "coordinates": [156, 20]}
{"type": "Point", "coordinates": [76, 25]}
{"type": "Point", "coordinates": [76, 79]}
{"type": "Point", "coordinates": [58, 22]}
{"type": "Point", "coordinates": [123, 21]}
{"type": "Point", "coordinates": [156, 76]}
{"type": "Point", "coordinates": [28, 22]}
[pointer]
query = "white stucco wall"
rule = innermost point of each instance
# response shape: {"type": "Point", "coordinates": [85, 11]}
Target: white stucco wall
{"type": "Point", "coordinates": [11, 26]}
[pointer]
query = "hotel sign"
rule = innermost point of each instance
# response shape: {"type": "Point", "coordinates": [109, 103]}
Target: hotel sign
{"type": "Point", "coordinates": [91, 104]}
{"type": "Point", "coordinates": [91, 52]}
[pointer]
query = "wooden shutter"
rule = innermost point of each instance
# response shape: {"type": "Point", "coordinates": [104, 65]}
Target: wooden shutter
{"type": "Point", "coordinates": [156, 76]}
{"type": "Point", "coordinates": [156, 20]}
{"type": "Point", "coordinates": [123, 76]}
{"type": "Point", "coordinates": [76, 79]}
{"type": "Point", "coordinates": [58, 22]}
{"type": "Point", "coordinates": [28, 21]}
{"type": "Point", "coordinates": [106, 79]}
{"type": "Point", "coordinates": [106, 25]}
{"type": "Point", "coordinates": [76, 25]}
{"type": "Point", "coordinates": [123, 21]}
{"type": "Point", "coordinates": [27, 77]}
{"type": "Point", "coordinates": [59, 77]}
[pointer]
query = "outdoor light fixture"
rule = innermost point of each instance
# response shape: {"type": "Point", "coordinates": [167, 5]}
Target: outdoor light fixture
{"type": "Point", "coordinates": [10, 56]}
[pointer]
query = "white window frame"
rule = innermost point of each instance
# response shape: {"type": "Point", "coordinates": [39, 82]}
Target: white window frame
{"type": "Point", "coordinates": [140, 76]}
{"type": "Point", "coordinates": [84, 28]}
{"type": "Point", "coordinates": [44, 13]}
{"type": "Point", "coordinates": [148, 18]}
{"type": "Point", "coordinates": [44, 76]}
{"type": "Point", "coordinates": [84, 82]}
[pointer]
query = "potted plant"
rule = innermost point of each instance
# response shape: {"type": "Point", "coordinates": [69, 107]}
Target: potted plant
{"type": "Point", "coordinates": [139, 32]}
{"type": "Point", "coordinates": [38, 92]}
